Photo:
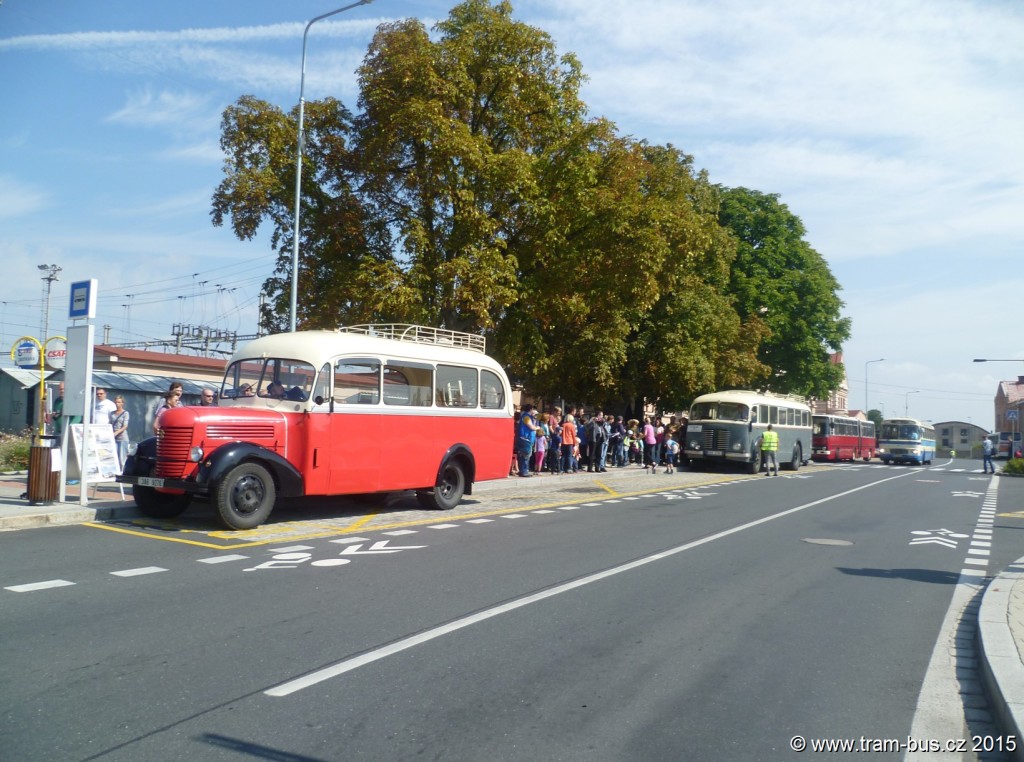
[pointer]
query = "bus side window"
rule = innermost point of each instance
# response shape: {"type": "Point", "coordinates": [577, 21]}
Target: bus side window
{"type": "Point", "coordinates": [408, 383]}
{"type": "Point", "coordinates": [773, 413]}
{"type": "Point", "coordinates": [357, 382]}
{"type": "Point", "coordinates": [322, 389]}
{"type": "Point", "coordinates": [493, 396]}
{"type": "Point", "coordinates": [455, 387]}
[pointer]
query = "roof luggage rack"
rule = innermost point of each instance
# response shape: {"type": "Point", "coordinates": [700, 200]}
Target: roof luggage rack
{"type": "Point", "coordinates": [420, 334]}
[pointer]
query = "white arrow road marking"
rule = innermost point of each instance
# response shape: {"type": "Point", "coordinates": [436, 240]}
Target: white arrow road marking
{"type": "Point", "coordinates": [934, 541]}
{"type": "Point", "coordinates": [378, 547]}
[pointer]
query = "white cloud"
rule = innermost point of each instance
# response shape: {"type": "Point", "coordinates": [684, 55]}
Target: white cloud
{"type": "Point", "coordinates": [18, 199]}
{"type": "Point", "coordinates": [146, 109]}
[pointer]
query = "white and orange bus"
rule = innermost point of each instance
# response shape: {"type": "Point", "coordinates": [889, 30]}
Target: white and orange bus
{"type": "Point", "coordinates": [840, 437]}
{"type": "Point", "coordinates": [364, 409]}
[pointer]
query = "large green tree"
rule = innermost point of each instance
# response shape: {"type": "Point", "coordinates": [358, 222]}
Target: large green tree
{"type": "Point", "coordinates": [778, 276]}
{"type": "Point", "coordinates": [472, 191]}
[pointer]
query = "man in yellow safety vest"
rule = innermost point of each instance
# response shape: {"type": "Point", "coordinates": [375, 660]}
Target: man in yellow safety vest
{"type": "Point", "coordinates": [770, 448]}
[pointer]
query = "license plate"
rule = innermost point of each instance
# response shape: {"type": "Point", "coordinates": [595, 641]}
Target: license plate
{"type": "Point", "coordinates": [148, 481]}
{"type": "Point", "coordinates": [715, 453]}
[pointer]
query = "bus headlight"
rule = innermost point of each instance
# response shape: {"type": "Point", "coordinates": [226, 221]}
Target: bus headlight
{"type": "Point", "coordinates": [737, 446]}
{"type": "Point", "coordinates": [195, 454]}
{"type": "Point", "coordinates": [694, 444]}
{"type": "Point", "coordinates": [133, 447]}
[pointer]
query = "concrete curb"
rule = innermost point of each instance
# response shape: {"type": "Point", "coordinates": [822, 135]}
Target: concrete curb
{"type": "Point", "coordinates": [1001, 668]}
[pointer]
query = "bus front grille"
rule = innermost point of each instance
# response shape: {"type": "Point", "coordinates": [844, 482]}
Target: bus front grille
{"type": "Point", "coordinates": [716, 439]}
{"type": "Point", "coordinates": [172, 451]}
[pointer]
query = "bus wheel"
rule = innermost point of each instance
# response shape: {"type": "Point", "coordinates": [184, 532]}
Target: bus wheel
{"type": "Point", "coordinates": [159, 505]}
{"type": "Point", "coordinates": [794, 463]}
{"type": "Point", "coordinates": [449, 490]}
{"type": "Point", "coordinates": [755, 463]}
{"type": "Point", "coordinates": [245, 497]}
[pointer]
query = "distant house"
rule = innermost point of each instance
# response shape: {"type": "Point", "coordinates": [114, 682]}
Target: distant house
{"type": "Point", "coordinates": [1009, 404]}
{"type": "Point", "coordinates": [965, 438]}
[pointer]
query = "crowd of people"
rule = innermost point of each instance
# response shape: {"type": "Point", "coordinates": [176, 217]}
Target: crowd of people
{"type": "Point", "coordinates": [551, 443]}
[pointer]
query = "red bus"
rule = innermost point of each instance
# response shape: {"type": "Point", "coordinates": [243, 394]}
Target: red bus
{"type": "Point", "coordinates": [837, 437]}
{"type": "Point", "coordinates": [372, 408]}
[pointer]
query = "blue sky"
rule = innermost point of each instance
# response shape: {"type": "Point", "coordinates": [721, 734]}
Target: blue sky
{"type": "Point", "coordinates": [892, 128]}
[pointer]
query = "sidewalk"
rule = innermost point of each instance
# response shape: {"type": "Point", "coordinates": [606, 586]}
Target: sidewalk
{"type": "Point", "coordinates": [1000, 619]}
{"type": "Point", "coordinates": [104, 504]}
{"type": "Point", "coordinates": [1000, 644]}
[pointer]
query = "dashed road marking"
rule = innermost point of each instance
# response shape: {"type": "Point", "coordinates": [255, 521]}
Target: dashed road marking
{"type": "Point", "coordinates": [139, 572]}
{"type": "Point", "coordinates": [33, 586]}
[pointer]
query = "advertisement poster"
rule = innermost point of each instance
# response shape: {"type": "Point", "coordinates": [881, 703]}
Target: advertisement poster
{"type": "Point", "coordinates": [101, 463]}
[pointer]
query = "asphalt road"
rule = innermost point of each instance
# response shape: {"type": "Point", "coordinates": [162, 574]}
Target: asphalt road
{"type": "Point", "coordinates": [700, 623]}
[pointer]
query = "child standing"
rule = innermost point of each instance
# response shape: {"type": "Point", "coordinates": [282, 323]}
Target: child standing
{"type": "Point", "coordinates": [671, 454]}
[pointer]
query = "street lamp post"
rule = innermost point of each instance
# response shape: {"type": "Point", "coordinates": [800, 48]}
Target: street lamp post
{"type": "Point", "coordinates": [880, 359]}
{"type": "Point", "coordinates": [298, 163]}
{"type": "Point", "coordinates": [51, 275]}
{"type": "Point", "coordinates": [906, 402]}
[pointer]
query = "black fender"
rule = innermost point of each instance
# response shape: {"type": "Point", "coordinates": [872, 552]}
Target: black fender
{"type": "Point", "coordinates": [461, 452]}
{"type": "Point", "coordinates": [216, 465]}
{"type": "Point", "coordinates": [143, 461]}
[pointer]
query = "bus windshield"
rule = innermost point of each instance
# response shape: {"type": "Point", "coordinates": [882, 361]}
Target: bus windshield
{"type": "Point", "coordinates": [722, 411]}
{"type": "Point", "coordinates": [901, 431]}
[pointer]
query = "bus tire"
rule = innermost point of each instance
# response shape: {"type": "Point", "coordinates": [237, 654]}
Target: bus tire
{"type": "Point", "coordinates": [754, 466]}
{"type": "Point", "coordinates": [245, 496]}
{"type": "Point", "coordinates": [159, 505]}
{"type": "Point", "coordinates": [448, 491]}
{"type": "Point", "coordinates": [794, 463]}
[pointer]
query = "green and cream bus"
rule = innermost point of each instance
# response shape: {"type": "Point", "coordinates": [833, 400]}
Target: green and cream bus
{"type": "Point", "coordinates": [726, 427]}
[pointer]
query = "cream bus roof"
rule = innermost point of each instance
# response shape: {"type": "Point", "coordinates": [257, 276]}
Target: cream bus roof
{"type": "Point", "coordinates": [318, 347]}
{"type": "Point", "coordinates": [747, 397]}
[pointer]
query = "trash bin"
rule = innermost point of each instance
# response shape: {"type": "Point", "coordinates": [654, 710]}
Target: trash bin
{"type": "Point", "coordinates": [43, 480]}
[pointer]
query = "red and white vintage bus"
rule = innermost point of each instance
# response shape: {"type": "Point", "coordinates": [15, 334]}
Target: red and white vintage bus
{"type": "Point", "coordinates": [838, 437]}
{"type": "Point", "coordinates": [372, 408]}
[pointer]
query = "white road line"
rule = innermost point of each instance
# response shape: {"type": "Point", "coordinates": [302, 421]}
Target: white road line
{"type": "Point", "coordinates": [399, 532]}
{"type": "Point", "coordinates": [514, 516]}
{"type": "Point", "coordinates": [939, 706]}
{"type": "Point", "coordinates": [139, 572]}
{"type": "Point", "coordinates": [347, 665]}
{"type": "Point", "coordinates": [479, 521]}
{"type": "Point", "coordinates": [291, 549]}
{"type": "Point", "coordinates": [348, 540]}
{"type": "Point", "coordinates": [221, 559]}
{"type": "Point", "coordinates": [33, 586]}
{"type": "Point", "coordinates": [443, 526]}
